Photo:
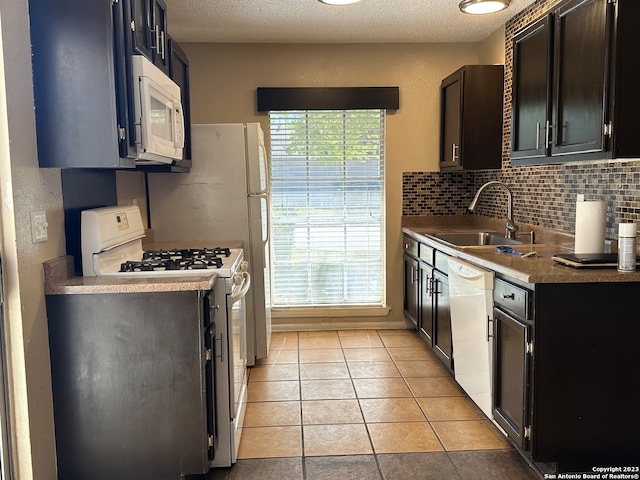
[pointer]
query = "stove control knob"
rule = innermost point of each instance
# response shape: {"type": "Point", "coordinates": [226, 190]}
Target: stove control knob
{"type": "Point", "coordinates": [237, 279]}
{"type": "Point", "coordinates": [244, 266]}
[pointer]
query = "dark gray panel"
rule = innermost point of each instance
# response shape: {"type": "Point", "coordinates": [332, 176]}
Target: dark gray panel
{"type": "Point", "coordinates": [128, 385]}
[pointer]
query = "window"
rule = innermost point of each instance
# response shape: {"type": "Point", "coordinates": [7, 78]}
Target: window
{"type": "Point", "coordinates": [327, 207]}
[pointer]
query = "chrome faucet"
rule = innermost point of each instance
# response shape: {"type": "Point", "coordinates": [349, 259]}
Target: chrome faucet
{"type": "Point", "coordinates": [512, 228]}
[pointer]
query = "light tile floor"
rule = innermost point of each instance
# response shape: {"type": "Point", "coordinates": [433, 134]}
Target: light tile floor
{"type": "Point", "coordinates": [350, 396]}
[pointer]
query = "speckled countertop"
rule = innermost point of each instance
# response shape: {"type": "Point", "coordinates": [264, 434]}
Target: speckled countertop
{"type": "Point", "coordinates": [538, 269]}
{"type": "Point", "coordinates": [59, 278]}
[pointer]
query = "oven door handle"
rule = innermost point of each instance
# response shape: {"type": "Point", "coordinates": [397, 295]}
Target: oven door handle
{"type": "Point", "coordinates": [244, 280]}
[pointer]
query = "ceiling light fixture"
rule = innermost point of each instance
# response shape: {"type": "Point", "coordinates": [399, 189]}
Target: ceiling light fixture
{"type": "Point", "coordinates": [339, 2]}
{"type": "Point", "coordinates": [480, 7]}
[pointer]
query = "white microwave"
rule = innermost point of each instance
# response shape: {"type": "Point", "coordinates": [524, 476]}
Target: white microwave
{"type": "Point", "coordinates": [159, 119]}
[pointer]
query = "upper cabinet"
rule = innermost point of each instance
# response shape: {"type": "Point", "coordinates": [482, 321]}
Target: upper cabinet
{"type": "Point", "coordinates": [82, 75]}
{"type": "Point", "coordinates": [149, 31]}
{"type": "Point", "coordinates": [572, 97]}
{"type": "Point", "coordinates": [471, 118]}
{"type": "Point", "coordinates": [78, 79]}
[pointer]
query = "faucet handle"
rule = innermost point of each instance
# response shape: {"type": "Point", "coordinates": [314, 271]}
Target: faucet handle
{"type": "Point", "coordinates": [531, 234]}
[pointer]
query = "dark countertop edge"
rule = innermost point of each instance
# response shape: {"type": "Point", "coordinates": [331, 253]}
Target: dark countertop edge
{"type": "Point", "coordinates": [539, 269]}
{"type": "Point", "coordinates": [59, 279]}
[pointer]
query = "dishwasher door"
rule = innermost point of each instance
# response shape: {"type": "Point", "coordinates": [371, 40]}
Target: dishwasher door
{"type": "Point", "coordinates": [471, 301]}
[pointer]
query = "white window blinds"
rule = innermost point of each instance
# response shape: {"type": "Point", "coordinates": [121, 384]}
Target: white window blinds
{"type": "Point", "coordinates": [327, 207]}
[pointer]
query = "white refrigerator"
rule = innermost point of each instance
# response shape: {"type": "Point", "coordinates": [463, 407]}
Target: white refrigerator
{"type": "Point", "coordinates": [224, 198]}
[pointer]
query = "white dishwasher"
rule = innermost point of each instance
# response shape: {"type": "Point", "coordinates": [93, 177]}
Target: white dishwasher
{"type": "Point", "coordinates": [471, 301]}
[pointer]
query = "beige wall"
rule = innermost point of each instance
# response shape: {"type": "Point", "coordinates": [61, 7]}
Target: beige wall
{"type": "Point", "coordinates": [224, 78]}
{"type": "Point", "coordinates": [24, 187]}
{"type": "Point", "coordinates": [491, 49]}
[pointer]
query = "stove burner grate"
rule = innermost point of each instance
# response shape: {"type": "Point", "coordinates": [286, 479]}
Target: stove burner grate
{"type": "Point", "coordinates": [179, 259]}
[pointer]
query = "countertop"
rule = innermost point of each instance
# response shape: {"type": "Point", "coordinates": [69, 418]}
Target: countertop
{"type": "Point", "coordinates": [537, 269]}
{"type": "Point", "coordinates": [60, 280]}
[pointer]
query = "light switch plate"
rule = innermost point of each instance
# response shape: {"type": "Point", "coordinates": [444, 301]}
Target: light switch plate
{"type": "Point", "coordinates": [39, 226]}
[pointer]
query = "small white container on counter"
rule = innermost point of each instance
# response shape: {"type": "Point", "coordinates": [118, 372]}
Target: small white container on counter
{"type": "Point", "coordinates": [627, 247]}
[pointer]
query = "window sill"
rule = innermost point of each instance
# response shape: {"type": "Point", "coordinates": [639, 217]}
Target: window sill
{"type": "Point", "coordinates": [333, 312]}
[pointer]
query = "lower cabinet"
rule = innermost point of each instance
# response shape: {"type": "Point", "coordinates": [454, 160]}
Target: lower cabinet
{"type": "Point", "coordinates": [442, 343]}
{"type": "Point", "coordinates": [565, 366]}
{"type": "Point", "coordinates": [427, 304]}
{"type": "Point", "coordinates": [566, 387]}
{"type": "Point", "coordinates": [411, 282]}
{"type": "Point", "coordinates": [426, 297]}
{"type": "Point", "coordinates": [511, 376]}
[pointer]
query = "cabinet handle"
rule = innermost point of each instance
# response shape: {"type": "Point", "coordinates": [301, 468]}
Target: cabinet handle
{"type": "Point", "coordinates": [414, 275]}
{"type": "Point", "coordinates": [159, 46]}
{"type": "Point", "coordinates": [537, 135]}
{"type": "Point", "coordinates": [454, 157]}
{"type": "Point", "coordinates": [162, 45]}
{"type": "Point", "coordinates": [427, 287]}
{"type": "Point", "coordinates": [548, 140]}
{"type": "Point", "coordinates": [489, 335]}
{"type": "Point", "coordinates": [506, 296]}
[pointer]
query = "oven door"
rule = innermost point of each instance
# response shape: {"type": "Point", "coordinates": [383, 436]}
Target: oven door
{"type": "Point", "coordinates": [236, 311]}
{"type": "Point", "coordinates": [231, 371]}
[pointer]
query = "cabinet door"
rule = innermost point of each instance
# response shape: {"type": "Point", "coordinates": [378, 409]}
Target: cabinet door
{"type": "Point", "coordinates": [159, 35]}
{"type": "Point", "coordinates": [531, 98]}
{"type": "Point", "coordinates": [581, 65]}
{"type": "Point", "coordinates": [411, 289]}
{"type": "Point", "coordinates": [179, 73]}
{"type": "Point", "coordinates": [426, 303]}
{"type": "Point", "coordinates": [141, 27]}
{"type": "Point", "coordinates": [124, 90]}
{"type": "Point", "coordinates": [442, 319]}
{"type": "Point", "coordinates": [451, 93]}
{"type": "Point", "coordinates": [511, 376]}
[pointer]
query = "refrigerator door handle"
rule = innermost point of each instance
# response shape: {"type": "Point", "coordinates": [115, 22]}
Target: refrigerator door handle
{"type": "Point", "coordinates": [267, 199]}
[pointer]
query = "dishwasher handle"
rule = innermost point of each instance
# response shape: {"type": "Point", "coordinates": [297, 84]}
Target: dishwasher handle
{"type": "Point", "coordinates": [492, 334]}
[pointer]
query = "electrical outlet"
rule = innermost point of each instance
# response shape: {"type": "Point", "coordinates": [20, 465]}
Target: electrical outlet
{"type": "Point", "coordinates": [39, 226]}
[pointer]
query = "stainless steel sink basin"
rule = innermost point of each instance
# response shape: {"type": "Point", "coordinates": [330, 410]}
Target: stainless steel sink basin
{"type": "Point", "coordinates": [468, 239]}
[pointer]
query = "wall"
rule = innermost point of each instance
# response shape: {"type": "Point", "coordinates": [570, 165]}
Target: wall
{"type": "Point", "coordinates": [544, 195]}
{"type": "Point", "coordinates": [25, 187]}
{"type": "Point", "coordinates": [224, 78]}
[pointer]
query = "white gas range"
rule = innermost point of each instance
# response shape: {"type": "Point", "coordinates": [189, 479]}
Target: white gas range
{"type": "Point", "coordinates": [111, 243]}
{"type": "Point", "coordinates": [111, 240]}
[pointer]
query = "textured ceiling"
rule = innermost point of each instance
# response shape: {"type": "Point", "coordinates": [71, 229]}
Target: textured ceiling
{"type": "Point", "coordinates": [309, 21]}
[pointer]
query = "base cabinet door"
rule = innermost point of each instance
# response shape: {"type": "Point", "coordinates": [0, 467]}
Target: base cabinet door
{"type": "Point", "coordinates": [426, 303]}
{"type": "Point", "coordinates": [411, 289]}
{"type": "Point", "coordinates": [443, 346]}
{"type": "Point", "coordinates": [511, 376]}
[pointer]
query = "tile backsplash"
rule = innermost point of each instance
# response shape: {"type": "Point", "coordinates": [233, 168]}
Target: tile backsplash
{"type": "Point", "coordinates": [544, 195]}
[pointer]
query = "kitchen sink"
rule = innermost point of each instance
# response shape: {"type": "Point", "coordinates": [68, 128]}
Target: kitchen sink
{"type": "Point", "coordinates": [468, 239]}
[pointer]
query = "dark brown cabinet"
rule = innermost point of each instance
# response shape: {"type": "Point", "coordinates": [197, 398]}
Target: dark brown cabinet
{"type": "Point", "coordinates": [82, 76]}
{"type": "Point", "coordinates": [179, 73]}
{"type": "Point", "coordinates": [511, 376]}
{"type": "Point", "coordinates": [411, 280]}
{"type": "Point", "coordinates": [572, 94]}
{"type": "Point", "coordinates": [426, 297]}
{"type": "Point", "coordinates": [149, 31]}
{"type": "Point", "coordinates": [531, 90]}
{"type": "Point", "coordinates": [551, 341]}
{"type": "Point", "coordinates": [471, 118]}
{"type": "Point", "coordinates": [427, 304]}
{"type": "Point", "coordinates": [80, 83]}
{"type": "Point", "coordinates": [442, 342]}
